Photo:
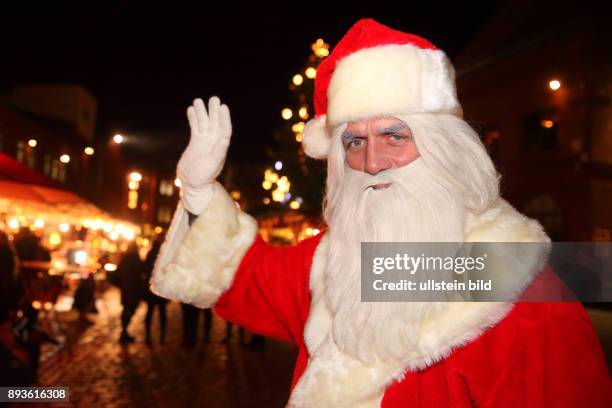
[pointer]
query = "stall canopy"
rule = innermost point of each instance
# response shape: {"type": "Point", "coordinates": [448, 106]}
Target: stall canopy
{"type": "Point", "coordinates": [12, 170]}
{"type": "Point", "coordinates": [23, 191]}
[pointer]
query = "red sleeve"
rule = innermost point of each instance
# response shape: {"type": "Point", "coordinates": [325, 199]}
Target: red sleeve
{"type": "Point", "coordinates": [270, 292]}
{"type": "Point", "coordinates": [540, 355]}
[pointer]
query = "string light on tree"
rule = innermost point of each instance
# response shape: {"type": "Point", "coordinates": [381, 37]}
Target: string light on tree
{"type": "Point", "coordinates": [289, 154]}
{"type": "Point", "coordinates": [311, 72]}
{"type": "Point", "coordinates": [320, 48]}
{"type": "Point", "coordinates": [32, 143]}
{"type": "Point", "coordinates": [287, 113]}
{"type": "Point", "coordinates": [303, 112]}
{"type": "Point", "coordinates": [118, 139]}
{"type": "Point", "coordinates": [89, 151]}
{"type": "Point", "coordinates": [297, 80]}
{"type": "Point", "coordinates": [64, 158]}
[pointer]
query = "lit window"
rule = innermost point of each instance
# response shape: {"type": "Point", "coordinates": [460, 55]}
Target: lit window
{"type": "Point", "coordinates": [20, 151]}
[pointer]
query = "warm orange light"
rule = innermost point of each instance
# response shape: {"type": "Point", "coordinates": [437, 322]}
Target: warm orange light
{"type": "Point", "coordinates": [311, 72]}
{"type": "Point", "coordinates": [132, 199]}
{"type": "Point", "coordinates": [286, 113]}
{"type": "Point", "coordinates": [32, 143]}
{"type": "Point", "coordinates": [297, 79]}
{"type": "Point", "coordinates": [135, 176]}
{"type": "Point", "coordinates": [303, 112]}
{"type": "Point", "coordinates": [89, 151]}
{"type": "Point", "coordinates": [554, 84]}
{"type": "Point", "coordinates": [547, 123]}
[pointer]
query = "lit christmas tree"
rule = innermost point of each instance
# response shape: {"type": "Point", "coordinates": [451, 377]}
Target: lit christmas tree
{"type": "Point", "coordinates": [292, 180]}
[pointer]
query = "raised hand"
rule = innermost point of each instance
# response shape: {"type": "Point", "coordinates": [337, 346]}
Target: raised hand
{"type": "Point", "coordinates": [203, 159]}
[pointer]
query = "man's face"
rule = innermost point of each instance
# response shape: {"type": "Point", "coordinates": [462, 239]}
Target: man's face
{"type": "Point", "coordinates": [377, 144]}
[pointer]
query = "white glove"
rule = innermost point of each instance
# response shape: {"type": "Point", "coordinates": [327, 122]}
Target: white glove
{"type": "Point", "coordinates": [203, 159]}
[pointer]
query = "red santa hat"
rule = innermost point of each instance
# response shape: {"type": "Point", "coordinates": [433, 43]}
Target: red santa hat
{"type": "Point", "coordinates": [377, 71]}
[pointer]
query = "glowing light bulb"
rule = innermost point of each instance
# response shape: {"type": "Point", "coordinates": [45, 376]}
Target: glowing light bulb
{"type": "Point", "coordinates": [311, 72]}
{"type": "Point", "coordinates": [303, 112]}
{"type": "Point", "coordinates": [135, 176]}
{"type": "Point", "coordinates": [297, 79]}
{"type": "Point", "coordinates": [287, 113]}
{"type": "Point", "coordinates": [554, 84]}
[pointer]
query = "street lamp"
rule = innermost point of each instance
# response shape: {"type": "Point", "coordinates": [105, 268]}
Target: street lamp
{"type": "Point", "coordinates": [135, 176]}
{"type": "Point", "coordinates": [554, 84]}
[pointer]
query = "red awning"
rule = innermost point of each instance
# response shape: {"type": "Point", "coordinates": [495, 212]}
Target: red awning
{"type": "Point", "coordinates": [12, 170]}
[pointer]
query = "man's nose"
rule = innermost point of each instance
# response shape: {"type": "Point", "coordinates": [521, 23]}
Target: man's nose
{"type": "Point", "coordinates": [375, 161]}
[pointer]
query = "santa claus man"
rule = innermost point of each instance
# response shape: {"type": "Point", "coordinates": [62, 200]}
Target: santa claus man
{"type": "Point", "coordinates": [402, 166]}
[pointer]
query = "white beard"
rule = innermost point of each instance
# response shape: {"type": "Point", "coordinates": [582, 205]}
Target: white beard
{"type": "Point", "coordinates": [418, 206]}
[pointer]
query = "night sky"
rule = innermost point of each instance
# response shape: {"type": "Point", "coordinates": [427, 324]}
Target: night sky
{"type": "Point", "coordinates": [145, 70]}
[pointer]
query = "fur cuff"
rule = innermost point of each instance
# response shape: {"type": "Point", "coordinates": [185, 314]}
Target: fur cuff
{"type": "Point", "coordinates": [207, 259]}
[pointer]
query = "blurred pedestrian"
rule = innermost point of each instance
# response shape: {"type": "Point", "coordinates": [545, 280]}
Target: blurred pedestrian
{"type": "Point", "coordinates": [129, 278]}
{"type": "Point", "coordinates": [151, 298]}
{"type": "Point", "coordinates": [8, 277]}
{"type": "Point", "coordinates": [191, 317]}
{"type": "Point", "coordinates": [28, 247]}
{"type": "Point", "coordinates": [84, 297]}
{"type": "Point", "coordinates": [30, 337]}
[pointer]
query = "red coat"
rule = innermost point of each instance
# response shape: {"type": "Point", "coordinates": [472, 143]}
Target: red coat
{"type": "Point", "coordinates": [539, 355]}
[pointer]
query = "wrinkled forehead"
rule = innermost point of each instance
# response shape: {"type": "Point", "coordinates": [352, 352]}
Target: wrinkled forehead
{"type": "Point", "coordinates": [376, 125]}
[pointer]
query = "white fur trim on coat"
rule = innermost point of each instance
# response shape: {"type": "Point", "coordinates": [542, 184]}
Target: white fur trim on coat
{"type": "Point", "coordinates": [391, 80]}
{"type": "Point", "coordinates": [205, 261]}
{"type": "Point", "coordinates": [336, 379]}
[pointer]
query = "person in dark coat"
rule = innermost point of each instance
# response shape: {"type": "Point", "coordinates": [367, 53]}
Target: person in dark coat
{"type": "Point", "coordinates": [30, 337]}
{"type": "Point", "coordinates": [130, 280]}
{"type": "Point", "coordinates": [8, 277]}
{"type": "Point", "coordinates": [152, 299]}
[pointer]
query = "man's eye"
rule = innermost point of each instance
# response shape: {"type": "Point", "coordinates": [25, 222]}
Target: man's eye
{"type": "Point", "coordinates": [355, 143]}
{"type": "Point", "coordinates": [397, 138]}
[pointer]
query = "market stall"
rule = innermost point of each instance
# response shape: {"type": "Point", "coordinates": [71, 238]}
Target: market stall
{"type": "Point", "coordinates": [77, 239]}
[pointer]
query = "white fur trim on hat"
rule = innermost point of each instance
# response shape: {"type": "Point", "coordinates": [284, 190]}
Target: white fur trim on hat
{"type": "Point", "coordinates": [391, 80]}
{"type": "Point", "coordinates": [315, 138]}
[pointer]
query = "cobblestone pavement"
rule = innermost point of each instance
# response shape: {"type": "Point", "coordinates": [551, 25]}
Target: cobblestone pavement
{"type": "Point", "coordinates": [101, 372]}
